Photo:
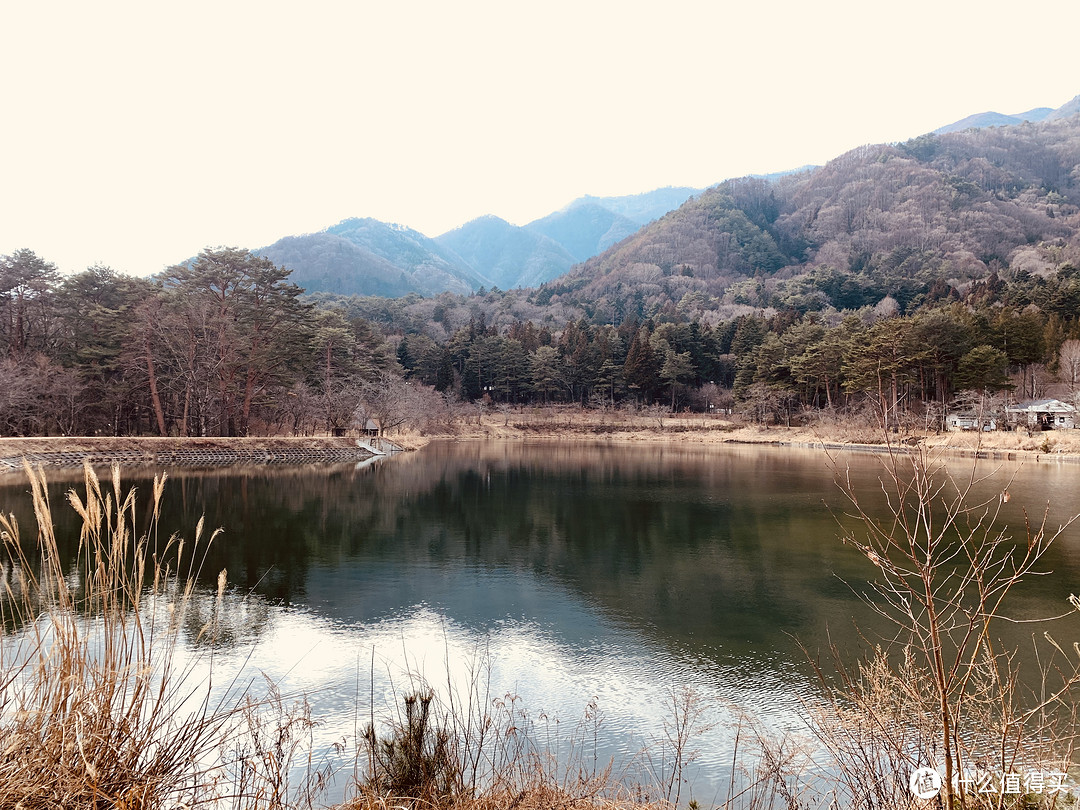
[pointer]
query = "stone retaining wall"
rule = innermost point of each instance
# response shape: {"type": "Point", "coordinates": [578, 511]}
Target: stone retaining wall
{"type": "Point", "coordinates": [196, 457]}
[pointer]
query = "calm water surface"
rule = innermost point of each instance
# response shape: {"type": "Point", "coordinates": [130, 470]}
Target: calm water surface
{"type": "Point", "coordinates": [575, 573]}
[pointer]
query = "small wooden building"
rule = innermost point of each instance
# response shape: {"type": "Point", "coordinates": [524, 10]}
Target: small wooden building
{"type": "Point", "coordinates": [969, 420]}
{"type": "Point", "coordinates": [1043, 414]}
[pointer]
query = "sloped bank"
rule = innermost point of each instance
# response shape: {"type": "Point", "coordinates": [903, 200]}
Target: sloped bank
{"type": "Point", "coordinates": [73, 451]}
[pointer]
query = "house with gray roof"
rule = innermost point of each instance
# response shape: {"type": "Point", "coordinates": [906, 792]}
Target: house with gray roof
{"type": "Point", "coordinates": [1043, 414]}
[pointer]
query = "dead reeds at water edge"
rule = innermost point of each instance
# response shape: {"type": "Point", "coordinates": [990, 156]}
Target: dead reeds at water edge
{"type": "Point", "coordinates": [100, 706]}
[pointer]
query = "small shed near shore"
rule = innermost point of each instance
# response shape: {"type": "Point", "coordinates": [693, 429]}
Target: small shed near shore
{"type": "Point", "coordinates": [358, 427]}
{"type": "Point", "coordinates": [1043, 414]}
{"type": "Point", "coordinates": [969, 420]}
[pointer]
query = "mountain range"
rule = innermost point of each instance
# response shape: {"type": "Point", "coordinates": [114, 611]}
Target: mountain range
{"type": "Point", "coordinates": [882, 229]}
{"type": "Point", "coordinates": [899, 208]}
{"type": "Point", "coordinates": [369, 257]}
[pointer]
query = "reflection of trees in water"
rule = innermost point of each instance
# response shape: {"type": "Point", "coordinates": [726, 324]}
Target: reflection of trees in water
{"type": "Point", "coordinates": [695, 543]}
{"type": "Point", "coordinates": [235, 620]}
{"type": "Point", "coordinates": [719, 546]}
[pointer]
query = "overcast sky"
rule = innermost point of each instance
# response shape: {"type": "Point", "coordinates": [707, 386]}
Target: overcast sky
{"type": "Point", "coordinates": [134, 134]}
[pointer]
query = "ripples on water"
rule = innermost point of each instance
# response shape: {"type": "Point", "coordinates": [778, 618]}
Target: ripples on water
{"type": "Point", "coordinates": [335, 663]}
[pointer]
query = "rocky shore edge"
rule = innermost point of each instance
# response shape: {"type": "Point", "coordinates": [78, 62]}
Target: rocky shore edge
{"type": "Point", "coordinates": [201, 452]}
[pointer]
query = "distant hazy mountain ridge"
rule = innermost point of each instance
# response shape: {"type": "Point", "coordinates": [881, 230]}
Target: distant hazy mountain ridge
{"type": "Point", "coordinates": [585, 228]}
{"type": "Point", "coordinates": [506, 255]}
{"type": "Point", "coordinates": [996, 119]}
{"type": "Point", "coordinates": [325, 262]}
{"type": "Point", "coordinates": [369, 257]}
{"type": "Point", "coordinates": [643, 208]}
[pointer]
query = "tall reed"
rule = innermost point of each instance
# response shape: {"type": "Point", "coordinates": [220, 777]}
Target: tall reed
{"type": "Point", "coordinates": [96, 708]}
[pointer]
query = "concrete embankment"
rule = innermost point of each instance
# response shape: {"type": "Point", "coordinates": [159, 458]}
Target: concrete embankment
{"type": "Point", "coordinates": [73, 452]}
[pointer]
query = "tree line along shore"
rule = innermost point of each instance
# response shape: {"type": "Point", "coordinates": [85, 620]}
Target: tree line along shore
{"type": "Point", "coordinates": [228, 347]}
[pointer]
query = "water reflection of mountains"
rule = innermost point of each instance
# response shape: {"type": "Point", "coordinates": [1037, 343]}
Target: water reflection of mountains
{"type": "Point", "coordinates": [725, 549]}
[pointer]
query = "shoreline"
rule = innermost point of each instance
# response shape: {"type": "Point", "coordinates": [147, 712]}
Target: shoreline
{"type": "Point", "coordinates": [63, 451]}
{"type": "Point", "coordinates": [1050, 446]}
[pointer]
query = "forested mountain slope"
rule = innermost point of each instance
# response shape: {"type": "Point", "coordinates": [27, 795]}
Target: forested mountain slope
{"type": "Point", "coordinates": [325, 262]}
{"type": "Point", "coordinates": [879, 220]}
{"type": "Point", "coordinates": [409, 249]}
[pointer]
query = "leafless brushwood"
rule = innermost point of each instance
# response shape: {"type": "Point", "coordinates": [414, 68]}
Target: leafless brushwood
{"type": "Point", "coordinates": [944, 691]}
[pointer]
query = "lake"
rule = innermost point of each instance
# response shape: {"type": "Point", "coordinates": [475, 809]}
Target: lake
{"type": "Point", "coordinates": [585, 580]}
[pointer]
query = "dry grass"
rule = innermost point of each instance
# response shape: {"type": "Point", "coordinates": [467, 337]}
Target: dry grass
{"type": "Point", "coordinates": [537, 798]}
{"type": "Point", "coordinates": [98, 709]}
{"type": "Point", "coordinates": [565, 423]}
{"type": "Point", "coordinates": [89, 684]}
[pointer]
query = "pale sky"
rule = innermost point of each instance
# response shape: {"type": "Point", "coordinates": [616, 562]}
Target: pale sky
{"type": "Point", "coordinates": [134, 134]}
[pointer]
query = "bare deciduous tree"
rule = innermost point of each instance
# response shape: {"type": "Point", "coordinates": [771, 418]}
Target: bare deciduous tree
{"type": "Point", "coordinates": [1069, 367]}
{"type": "Point", "coordinates": [395, 404]}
